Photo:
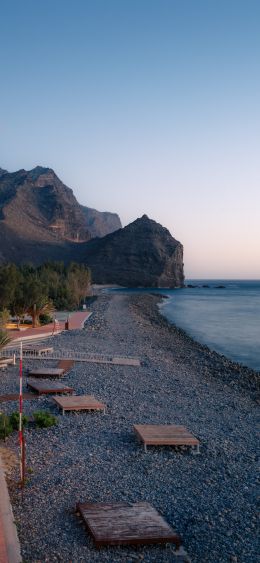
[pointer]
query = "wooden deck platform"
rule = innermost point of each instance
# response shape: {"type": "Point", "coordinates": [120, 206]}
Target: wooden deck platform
{"type": "Point", "coordinates": [46, 372]}
{"type": "Point", "coordinates": [15, 397]}
{"type": "Point", "coordinates": [165, 435]}
{"type": "Point", "coordinates": [121, 523]}
{"type": "Point", "coordinates": [66, 365]}
{"type": "Point", "coordinates": [79, 403]}
{"type": "Point", "coordinates": [48, 387]}
{"type": "Point", "coordinates": [6, 361]}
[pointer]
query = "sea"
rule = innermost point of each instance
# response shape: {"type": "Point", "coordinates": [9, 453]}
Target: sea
{"type": "Point", "coordinates": [223, 314]}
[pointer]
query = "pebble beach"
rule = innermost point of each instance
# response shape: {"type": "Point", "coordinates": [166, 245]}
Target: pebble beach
{"type": "Point", "coordinates": [209, 499]}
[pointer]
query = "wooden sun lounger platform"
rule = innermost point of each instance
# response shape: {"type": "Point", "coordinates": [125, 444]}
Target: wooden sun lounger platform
{"type": "Point", "coordinates": [6, 361]}
{"type": "Point", "coordinates": [121, 523]}
{"type": "Point", "coordinates": [46, 372]}
{"type": "Point", "coordinates": [38, 350]}
{"type": "Point", "coordinates": [165, 435]}
{"type": "Point", "coordinates": [66, 365]}
{"type": "Point", "coordinates": [15, 397]}
{"type": "Point", "coordinates": [79, 403]}
{"type": "Point", "coordinates": [48, 387]}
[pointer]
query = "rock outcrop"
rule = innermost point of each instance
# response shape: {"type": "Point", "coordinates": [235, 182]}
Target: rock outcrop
{"type": "Point", "coordinates": [143, 254]}
{"type": "Point", "coordinates": [100, 223]}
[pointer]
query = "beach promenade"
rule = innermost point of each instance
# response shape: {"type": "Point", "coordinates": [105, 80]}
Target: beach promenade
{"type": "Point", "coordinates": [209, 499]}
{"type": "Point", "coordinates": [76, 321]}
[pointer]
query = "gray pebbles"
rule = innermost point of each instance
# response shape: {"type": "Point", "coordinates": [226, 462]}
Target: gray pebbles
{"type": "Point", "coordinates": [209, 499]}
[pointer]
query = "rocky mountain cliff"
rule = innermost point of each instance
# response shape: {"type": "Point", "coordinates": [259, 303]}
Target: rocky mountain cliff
{"type": "Point", "coordinates": [100, 223]}
{"type": "Point", "coordinates": [40, 220]}
{"type": "Point", "coordinates": [37, 206]}
{"type": "Point", "coordinates": [142, 254]}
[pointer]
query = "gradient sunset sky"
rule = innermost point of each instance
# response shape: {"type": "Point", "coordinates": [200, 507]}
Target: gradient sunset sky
{"type": "Point", "coordinates": [143, 106]}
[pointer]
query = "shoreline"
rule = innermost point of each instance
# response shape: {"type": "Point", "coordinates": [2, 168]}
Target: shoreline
{"type": "Point", "coordinates": [207, 499]}
{"type": "Point", "coordinates": [233, 361]}
{"type": "Point", "coordinates": [237, 365]}
{"type": "Point", "coordinates": [248, 378]}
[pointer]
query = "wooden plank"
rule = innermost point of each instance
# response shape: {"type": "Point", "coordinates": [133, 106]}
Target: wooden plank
{"type": "Point", "coordinates": [117, 360]}
{"type": "Point", "coordinates": [15, 397]}
{"type": "Point", "coordinates": [6, 361]}
{"type": "Point", "coordinates": [46, 372]}
{"type": "Point", "coordinates": [167, 435]}
{"type": "Point", "coordinates": [48, 387]}
{"type": "Point", "coordinates": [66, 365]}
{"type": "Point", "coordinates": [121, 523]}
{"type": "Point", "coordinates": [79, 402]}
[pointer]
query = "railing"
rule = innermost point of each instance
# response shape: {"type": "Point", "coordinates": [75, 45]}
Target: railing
{"type": "Point", "coordinates": [70, 355]}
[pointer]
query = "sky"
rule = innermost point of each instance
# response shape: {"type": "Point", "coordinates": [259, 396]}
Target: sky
{"type": "Point", "coordinates": [143, 106]}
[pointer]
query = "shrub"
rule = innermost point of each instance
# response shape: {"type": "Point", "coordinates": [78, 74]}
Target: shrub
{"type": "Point", "coordinates": [5, 426]}
{"type": "Point", "coordinates": [44, 419]}
{"type": "Point", "coordinates": [14, 420]}
{"type": "Point", "coordinates": [45, 319]}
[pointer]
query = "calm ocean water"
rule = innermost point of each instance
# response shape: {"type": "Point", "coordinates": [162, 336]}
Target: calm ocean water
{"type": "Point", "coordinates": [227, 319]}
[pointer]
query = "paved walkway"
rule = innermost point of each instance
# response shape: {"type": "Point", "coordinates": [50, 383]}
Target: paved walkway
{"type": "Point", "coordinates": [3, 551]}
{"type": "Point", "coordinates": [9, 543]}
{"type": "Point", "coordinates": [76, 321]}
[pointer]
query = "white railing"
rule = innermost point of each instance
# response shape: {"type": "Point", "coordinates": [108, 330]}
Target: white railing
{"type": "Point", "coordinates": [70, 355]}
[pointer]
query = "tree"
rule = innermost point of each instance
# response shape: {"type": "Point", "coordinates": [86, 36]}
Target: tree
{"type": "Point", "coordinates": [79, 280]}
{"type": "Point", "coordinates": [4, 318]}
{"type": "Point", "coordinates": [9, 280]}
{"type": "Point", "coordinates": [27, 288]}
{"type": "Point", "coordinates": [42, 307]}
{"type": "Point", "coordinates": [32, 297]}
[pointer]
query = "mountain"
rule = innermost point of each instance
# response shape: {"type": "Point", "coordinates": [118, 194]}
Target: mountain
{"type": "Point", "coordinates": [142, 254]}
{"type": "Point", "coordinates": [41, 220]}
{"type": "Point", "coordinates": [2, 171]}
{"type": "Point", "coordinates": [100, 223]}
{"type": "Point", "coordinates": [37, 206]}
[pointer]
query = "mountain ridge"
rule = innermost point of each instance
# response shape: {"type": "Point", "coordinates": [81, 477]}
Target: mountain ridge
{"type": "Point", "coordinates": [101, 223]}
{"type": "Point", "coordinates": [87, 222]}
{"type": "Point", "coordinates": [41, 220]}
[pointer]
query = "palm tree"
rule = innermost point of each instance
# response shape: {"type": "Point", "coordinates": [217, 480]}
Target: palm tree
{"type": "Point", "coordinates": [4, 339]}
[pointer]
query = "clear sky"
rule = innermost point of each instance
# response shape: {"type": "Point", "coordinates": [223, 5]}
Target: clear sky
{"type": "Point", "coordinates": [143, 106]}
